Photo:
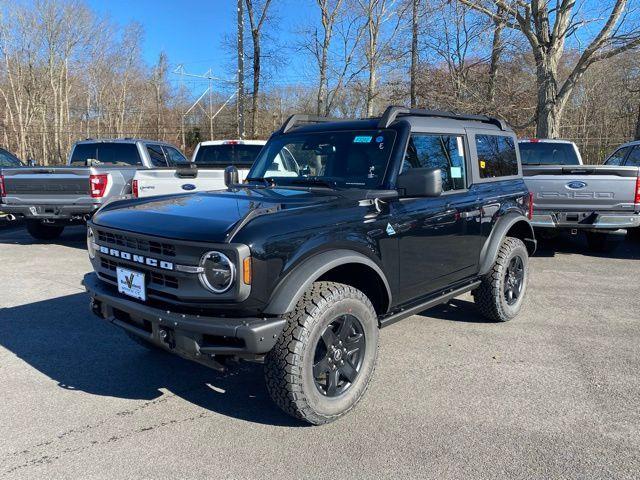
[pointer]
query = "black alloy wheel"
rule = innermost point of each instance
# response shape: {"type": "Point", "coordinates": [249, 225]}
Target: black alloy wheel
{"type": "Point", "coordinates": [514, 280]}
{"type": "Point", "coordinates": [338, 355]}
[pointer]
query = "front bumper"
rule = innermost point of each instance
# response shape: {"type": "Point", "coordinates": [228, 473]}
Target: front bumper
{"type": "Point", "coordinates": [585, 220]}
{"type": "Point", "coordinates": [49, 212]}
{"type": "Point", "coordinates": [191, 336]}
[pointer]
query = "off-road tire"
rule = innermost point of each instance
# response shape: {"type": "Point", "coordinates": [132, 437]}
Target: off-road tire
{"type": "Point", "coordinates": [489, 296]}
{"type": "Point", "coordinates": [40, 231]}
{"type": "Point", "coordinates": [601, 242]}
{"type": "Point", "coordinates": [289, 365]}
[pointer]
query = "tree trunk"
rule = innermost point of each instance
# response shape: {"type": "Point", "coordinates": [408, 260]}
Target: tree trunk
{"type": "Point", "coordinates": [548, 109]}
{"type": "Point", "coordinates": [256, 83]}
{"type": "Point", "coordinates": [414, 53]}
{"type": "Point", "coordinates": [637, 136]}
{"type": "Point", "coordinates": [322, 87]}
{"type": "Point", "coordinates": [240, 49]}
{"type": "Point", "coordinates": [496, 51]}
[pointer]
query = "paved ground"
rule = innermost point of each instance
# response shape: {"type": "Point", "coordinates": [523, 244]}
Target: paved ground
{"type": "Point", "coordinates": [553, 394]}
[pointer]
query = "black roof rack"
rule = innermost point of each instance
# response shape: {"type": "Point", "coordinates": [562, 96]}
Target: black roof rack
{"type": "Point", "coordinates": [301, 119]}
{"type": "Point", "coordinates": [391, 113]}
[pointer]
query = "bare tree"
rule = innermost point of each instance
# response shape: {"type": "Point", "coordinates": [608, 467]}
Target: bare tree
{"type": "Point", "coordinates": [415, 9]}
{"type": "Point", "coordinates": [329, 10]}
{"type": "Point", "coordinates": [547, 29]}
{"type": "Point", "coordinates": [496, 51]}
{"type": "Point", "coordinates": [159, 85]}
{"type": "Point", "coordinates": [383, 21]}
{"type": "Point", "coordinates": [257, 15]}
{"type": "Point", "coordinates": [240, 73]}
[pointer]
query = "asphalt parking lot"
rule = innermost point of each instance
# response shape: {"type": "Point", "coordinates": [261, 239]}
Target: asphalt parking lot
{"type": "Point", "coordinates": [552, 394]}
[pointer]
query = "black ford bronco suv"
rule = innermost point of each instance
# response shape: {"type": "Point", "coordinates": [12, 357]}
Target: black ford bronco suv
{"type": "Point", "coordinates": [342, 227]}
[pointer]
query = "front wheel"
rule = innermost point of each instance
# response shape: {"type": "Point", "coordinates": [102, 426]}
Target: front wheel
{"type": "Point", "coordinates": [323, 361]}
{"type": "Point", "coordinates": [41, 231]}
{"type": "Point", "coordinates": [501, 292]}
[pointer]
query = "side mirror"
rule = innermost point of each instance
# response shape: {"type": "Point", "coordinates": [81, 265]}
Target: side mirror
{"type": "Point", "coordinates": [420, 182]}
{"type": "Point", "coordinates": [231, 176]}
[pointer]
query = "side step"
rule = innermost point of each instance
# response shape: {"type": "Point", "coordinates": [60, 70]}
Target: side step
{"type": "Point", "coordinates": [444, 298]}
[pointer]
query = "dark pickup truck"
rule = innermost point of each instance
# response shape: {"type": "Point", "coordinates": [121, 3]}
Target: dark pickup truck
{"type": "Point", "coordinates": [374, 221]}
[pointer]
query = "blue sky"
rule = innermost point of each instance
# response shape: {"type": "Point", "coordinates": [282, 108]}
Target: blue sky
{"type": "Point", "coordinates": [191, 32]}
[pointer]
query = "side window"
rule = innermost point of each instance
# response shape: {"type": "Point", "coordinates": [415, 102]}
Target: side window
{"type": "Point", "coordinates": [617, 158]}
{"type": "Point", "coordinates": [633, 160]}
{"type": "Point", "coordinates": [156, 155]}
{"type": "Point", "coordinates": [174, 157]}
{"type": "Point", "coordinates": [445, 152]}
{"type": "Point", "coordinates": [496, 156]}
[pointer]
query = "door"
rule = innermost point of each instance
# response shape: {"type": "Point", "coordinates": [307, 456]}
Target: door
{"type": "Point", "coordinates": [439, 238]}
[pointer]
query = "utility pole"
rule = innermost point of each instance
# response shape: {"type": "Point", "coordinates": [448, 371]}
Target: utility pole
{"type": "Point", "coordinates": [240, 102]}
{"type": "Point", "coordinates": [208, 75]}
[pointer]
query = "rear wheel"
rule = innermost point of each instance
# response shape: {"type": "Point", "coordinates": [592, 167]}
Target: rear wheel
{"type": "Point", "coordinates": [601, 242]}
{"type": "Point", "coordinates": [41, 231]}
{"type": "Point", "coordinates": [323, 362]}
{"type": "Point", "coordinates": [501, 294]}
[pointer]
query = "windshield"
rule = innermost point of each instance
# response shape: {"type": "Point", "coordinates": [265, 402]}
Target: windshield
{"type": "Point", "coordinates": [548, 153]}
{"type": "Point", "coordinates": [228, 154]}
{"type": "Point", "coordinates": [351, 159]}
{"type": "Point", "coordinates": [8, 160]}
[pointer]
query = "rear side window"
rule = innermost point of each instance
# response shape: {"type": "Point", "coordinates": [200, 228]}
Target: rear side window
{"type": "Point", "coordinates": [617, 158]}
{"type": "Point", "coordinates": [228, 154]}
{"type": "Point", "coordinates": [174, 157]}
{"type": "Point", "coordinates": [110, 154]}
{"type": "Point", "coordinates": [548, 153]}
{"type": "Point", "coordinates": [633, 160]}
{"type": "Point", "coordinates": [496, 156]}
{"type": "Point", "coordinates": [445, 152]}
{"type": "Point", "coordinates": [156, 155]}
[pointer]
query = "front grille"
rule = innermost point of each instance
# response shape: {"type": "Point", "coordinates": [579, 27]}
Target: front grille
{"type": "Point", "coordinates": [158, 248]}
{"type": "Point", "coordinates": [155, 278]}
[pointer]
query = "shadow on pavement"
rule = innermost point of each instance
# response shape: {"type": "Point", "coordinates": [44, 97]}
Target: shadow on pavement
{"type": "Point", "coordinates": [625, 247]}
{"type": "Point", "coordinates": [456, 310]}
{"type": "Point", "coordinates": [16, 234]}
{"type": "Point", "coordinates": [61, 339]}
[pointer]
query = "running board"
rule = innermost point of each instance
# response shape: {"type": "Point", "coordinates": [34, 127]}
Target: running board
{"type": "Point", "coordinates": [444, 298]}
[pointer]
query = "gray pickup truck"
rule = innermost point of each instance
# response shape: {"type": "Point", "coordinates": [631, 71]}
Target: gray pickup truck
{"type": "Point", "coordinates": [599, 200]}
{"type": "Point", "coordinates": [97, 171]}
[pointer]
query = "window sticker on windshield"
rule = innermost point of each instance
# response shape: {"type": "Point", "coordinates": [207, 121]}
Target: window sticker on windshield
{"type": "Point", "coordinates": [460, 147]}
{"type": "Point", "coordinates": [483, 164]}
{"type": "Point", "coordinates": [456, 172]}
{"type": "Point", "coordinates": [362, 139]}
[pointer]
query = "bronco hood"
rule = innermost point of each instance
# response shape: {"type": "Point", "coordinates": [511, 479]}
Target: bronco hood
{"type": "Point", "coordinates": [205, 216]}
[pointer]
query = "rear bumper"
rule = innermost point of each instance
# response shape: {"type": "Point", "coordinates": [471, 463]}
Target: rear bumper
{"type": "Point", "coordinates": [192, 336]}
{"type": "Point", "coordinates": [585, 220]}
{"type": "Point", "coordinates": [49, 212]}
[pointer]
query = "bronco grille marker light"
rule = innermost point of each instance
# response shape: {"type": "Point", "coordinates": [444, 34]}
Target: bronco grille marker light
{"type": "Point", "coordinates": [246, 271]}
{"type": "Point", "coordinates": [98, 185]}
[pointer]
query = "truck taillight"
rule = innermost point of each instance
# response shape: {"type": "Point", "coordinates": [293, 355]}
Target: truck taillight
{"type": "Point", "coordinates": [530, 212]}
{"type": "Point", "coordinates": [3, 192]}
{"type": "Point", "coordinates": [98, 185]}
{"type": "Point", "coordinates": [134, 188]}
{"type": "Point", "coordinates": [637, 200]}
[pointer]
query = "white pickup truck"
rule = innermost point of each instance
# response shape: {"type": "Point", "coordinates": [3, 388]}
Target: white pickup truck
{"type": "Point", "coordinates": [598, 200]}
{"type": "Point", "coordinates": [204, 172]}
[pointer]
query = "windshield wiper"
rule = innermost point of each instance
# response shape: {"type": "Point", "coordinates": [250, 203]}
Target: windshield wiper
{"type": "Point", "coordinates": [313, 181]}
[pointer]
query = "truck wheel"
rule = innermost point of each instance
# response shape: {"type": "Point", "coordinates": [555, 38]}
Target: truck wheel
{"type": "Point", "coordinates": [600, 242]}
{"type": "Point", "coordinates": [501, 293]}
{"type": "Point", "coordinates": [323, 361]}
{"type": "Point", "coordinates": [40, 231]}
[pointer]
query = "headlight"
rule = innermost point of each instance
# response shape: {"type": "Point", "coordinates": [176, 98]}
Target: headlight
{"type": "Point", "coordinates": [218, 272]}
{"type": "Point", "coordinates": [91, 243]}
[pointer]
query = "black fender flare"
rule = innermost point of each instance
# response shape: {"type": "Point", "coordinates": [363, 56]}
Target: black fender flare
{"type": "Point", "coordinates": [295, 283]}
{"type": "Point", "coordinates": [491, 246]}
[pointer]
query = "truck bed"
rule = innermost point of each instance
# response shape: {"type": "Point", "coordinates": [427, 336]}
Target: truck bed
{"type": "Point", "coordinates": [165, 181]}
{"type": "Point", "coordinates": [584, 196]}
